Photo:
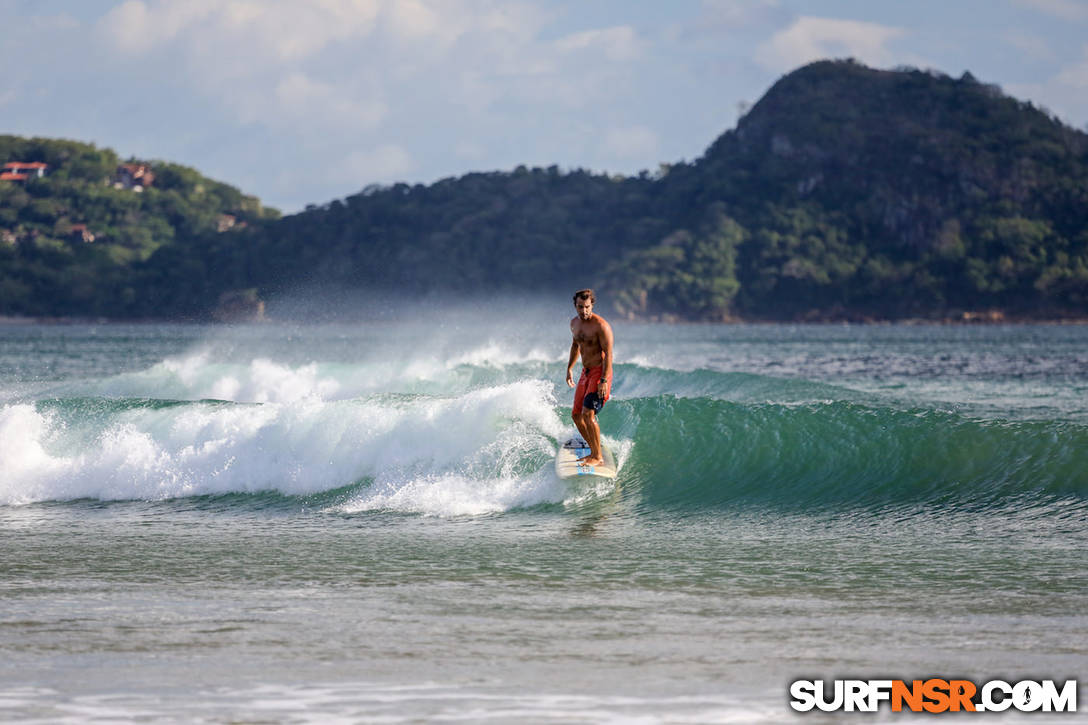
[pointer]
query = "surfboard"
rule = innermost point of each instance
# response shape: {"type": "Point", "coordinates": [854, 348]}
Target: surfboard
{"type": "Point", "coordinates": [566, 460]}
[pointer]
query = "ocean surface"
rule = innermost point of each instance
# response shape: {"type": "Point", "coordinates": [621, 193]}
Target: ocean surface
{"type": "Point", "coordinates": [361, 523]}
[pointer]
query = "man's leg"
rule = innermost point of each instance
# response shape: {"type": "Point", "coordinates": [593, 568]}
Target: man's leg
{"type": "Point", "coordinates": [593, 438]}
{"type": "Point", "coordinates": [577, 417]}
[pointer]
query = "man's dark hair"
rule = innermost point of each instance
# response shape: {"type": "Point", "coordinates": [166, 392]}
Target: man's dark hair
{"type": "Point", "coordinates": [585, 294]}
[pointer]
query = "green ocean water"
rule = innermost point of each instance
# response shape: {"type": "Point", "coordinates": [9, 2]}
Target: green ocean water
{"type": "Point", "coordinates": [361, 522]}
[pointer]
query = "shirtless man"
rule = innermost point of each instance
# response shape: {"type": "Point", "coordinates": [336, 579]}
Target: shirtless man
{"type": "Point", "coordinates": [593, 342]}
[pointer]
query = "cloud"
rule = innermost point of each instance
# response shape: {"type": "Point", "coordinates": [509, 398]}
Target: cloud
{"type": "Point", "coordinates": [249, 53]}
{"type": "Point", "coordinates": [249, 57]}
{"type": "Point", "coordinates": [413, 19]}
{"type": "Point", "coordinates": [300, 101]}
{"type": "Point", "coordinates": [809, 39]}
{"type": "Point", "coordinates": [334, 81]}
{"type": "Point", "coordinates": [576, 71]}
{"type": "Point", "coordinates": [135, 28]}
{"type": "Point", "coordinates": [1065, 93]}
{"type": "Point", "coordinates": [277, 30]}
{"type": "Point", "coordinates": [618, 43]}
{"type": "Point", "coordinates": [299, 98]}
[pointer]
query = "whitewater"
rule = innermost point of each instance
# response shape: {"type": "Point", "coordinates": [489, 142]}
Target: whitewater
{"type": "Point", "coordinates": [360, 520]}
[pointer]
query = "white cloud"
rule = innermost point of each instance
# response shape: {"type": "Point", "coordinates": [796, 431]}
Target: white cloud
{"type": "Point", "coordinates": [619, 43]}
{"type": "Point", "coordinates": [809, 39]}
{"type": "Point", "coordinates": [1065, 93]}
{"type": "Point", "coordinates": [134, 27]}
{"type": "Point", "coordinates": [575, 71]}
{"type": "Point", "coordinates": [271, 29]}
{"type": "Point", "coordinates": [246, 57]}
{"type": "Point", "coordinates": [633, 142]}
{"type": "Point", "coordinates": [413, 19]}
{"type": "Point", "coordinates": [325, 64]}
{"type": "Point", "coordinates": [362, 91]}
{"type": "Point", "coordinates": [320, 77]}
{"type": "Point", "coordinates": [302, 98]}
{"type": "Point", "coordinates": [129, 27]}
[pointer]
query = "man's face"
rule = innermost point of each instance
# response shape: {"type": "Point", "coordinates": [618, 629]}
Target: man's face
{"type": "Point", "coordinates": [584, 307]}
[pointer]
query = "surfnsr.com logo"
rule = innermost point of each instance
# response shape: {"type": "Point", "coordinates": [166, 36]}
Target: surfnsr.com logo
{"type": "Point", "coordinates": [933, 695]}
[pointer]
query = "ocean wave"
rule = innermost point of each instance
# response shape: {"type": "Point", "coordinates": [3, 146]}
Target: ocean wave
{"type": "Point", "coordinates": [475, 433]}
{"type": "Point", "coordinates": [66, 449]}
{"type": "Point", "coordinates": [697, 452]}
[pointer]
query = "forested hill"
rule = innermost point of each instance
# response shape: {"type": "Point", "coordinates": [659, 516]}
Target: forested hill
{"type": "Point", "coordinates": [845, 193]}
{"type": "Point", "coordinates": [85, 233]}
{"type": "Point", "coordinates": [898, 193]}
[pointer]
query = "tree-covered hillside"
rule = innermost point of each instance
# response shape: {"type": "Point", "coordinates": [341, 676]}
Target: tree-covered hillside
{"type": "Point", "coordinates": [89, 237]}
{"type": "Point", "coordinates": [845, 193]}
{"type": "Point", "coordinates": [891, 193]}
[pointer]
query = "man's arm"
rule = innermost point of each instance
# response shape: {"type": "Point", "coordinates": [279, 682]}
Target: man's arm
{"type": "Point", "coordinates": [571, 361]}
{"type": "Point", "coordinates": [605, 338]}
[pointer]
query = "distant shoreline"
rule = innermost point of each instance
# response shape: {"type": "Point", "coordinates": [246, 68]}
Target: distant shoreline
{"type": "Point", "coordinates": [13, 320]}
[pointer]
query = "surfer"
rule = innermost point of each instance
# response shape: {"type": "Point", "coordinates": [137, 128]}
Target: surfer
{"type": "Point", "coordinates": [593, 342]}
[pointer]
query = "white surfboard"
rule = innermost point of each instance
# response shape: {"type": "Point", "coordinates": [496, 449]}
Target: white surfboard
{"type": "Point", "coordinates": [566, 460]}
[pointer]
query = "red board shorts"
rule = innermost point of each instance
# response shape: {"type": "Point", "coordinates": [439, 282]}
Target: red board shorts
{"type": "Point", "coordinates": [585, 395]}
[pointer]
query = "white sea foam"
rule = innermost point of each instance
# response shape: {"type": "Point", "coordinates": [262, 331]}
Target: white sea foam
{"type": "Point", "coordinates": [352, 702]}
{"type": "Point", "coordinates": [460, 495]}
{"type": "Point", "coordinates": [23, 459]}
{"type": "Point", "coordinates": [425, 428]}
{"type": "Point", "coordinates": [201, 375]}
{"type": "Point", "coordinates": [469, 453]}
{"type": "Point", "coordinates": [197, 377]}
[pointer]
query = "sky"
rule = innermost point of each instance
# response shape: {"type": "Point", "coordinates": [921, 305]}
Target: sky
{"type": "Point", "coordinates": [306, 101]}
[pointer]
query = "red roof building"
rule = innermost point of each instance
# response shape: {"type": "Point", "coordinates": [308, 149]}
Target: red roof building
{"type": "Point", "coordinates": [16, 169]}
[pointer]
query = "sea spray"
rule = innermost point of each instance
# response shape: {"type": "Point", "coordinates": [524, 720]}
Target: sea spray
{"type": "Point", "coordinates": [154, 449]}
{"type": "Point", "coordinates": [201, 375]}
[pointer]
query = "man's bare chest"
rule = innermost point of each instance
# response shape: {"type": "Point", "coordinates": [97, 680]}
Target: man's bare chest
{"type": "Point", "coordinates": [586, 334]}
